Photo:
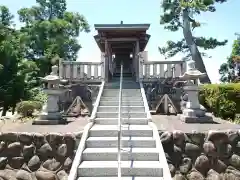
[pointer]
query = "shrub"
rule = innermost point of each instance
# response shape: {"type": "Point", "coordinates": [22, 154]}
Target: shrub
{"type": "Point", "coordinates": [37, 94]}
{"type": "Point", "coordinates": [26, 108]}
{"type": "Point", "coordinates": [221, 99]}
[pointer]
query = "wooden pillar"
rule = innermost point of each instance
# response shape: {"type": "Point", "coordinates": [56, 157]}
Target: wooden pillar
{"type": "Point", "coordinates": [106, 63]}
{"type": "Point", "coordinates": [134, 59]}
{"type": "Point", "coordinates": [110, 59]}
{"type": "Point", "coordinates": [103, 65]}
{"type": "Point", "coordinates": [137, 50]}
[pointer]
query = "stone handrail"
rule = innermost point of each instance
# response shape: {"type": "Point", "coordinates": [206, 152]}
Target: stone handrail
{"type": "Point", "coordinates": [78, 156]}
{"type": "Point", "coordinates": [96, 104]}
{"type": "Point", "coordinates": [161, 69]}
{"type": "Point", "coordinates": [145, 102]}
{"type": "Point", "coordinates": [81, 71]}
{"type": "Point", "coordinates": [162, 157]}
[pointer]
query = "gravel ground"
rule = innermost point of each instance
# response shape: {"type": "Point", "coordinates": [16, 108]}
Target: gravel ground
{"type": "Point", "coordinates": [163, 122]}
{"type": "Point", "coordinates": [74, 125]}
{"type": "Point", "coordinates": [171, 123]}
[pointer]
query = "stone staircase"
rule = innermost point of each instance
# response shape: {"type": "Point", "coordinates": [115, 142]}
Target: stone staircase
{"type": "Point", "coordinates": [140, 154]}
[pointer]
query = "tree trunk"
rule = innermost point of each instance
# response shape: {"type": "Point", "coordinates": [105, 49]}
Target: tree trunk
{"type": "Point", "coordinates": [13, 109]}
{"type": "Point", "coordinates": [196, 56]}
{"type": "Point", "coordinates": [5, 108]}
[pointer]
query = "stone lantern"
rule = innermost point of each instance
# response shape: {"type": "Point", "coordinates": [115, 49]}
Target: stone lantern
{"type": "Point", "coordinates": [51, 113]}
{"type": "Point", "coordinates": [193, 112]}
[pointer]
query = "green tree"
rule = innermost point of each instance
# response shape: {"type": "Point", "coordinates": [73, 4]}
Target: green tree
{"type": "Point", "coordinates": [52, 31]}
{"type": "Point", "coordinates": [178, 14]}
{"type": "Point", "coordinates": [11, 51]}
{"type": "Point", "coordinates": [229, 71]}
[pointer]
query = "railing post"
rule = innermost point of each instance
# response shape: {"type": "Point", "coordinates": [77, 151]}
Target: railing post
{"type": "Point", "coordinates": [106, 62]}
{"type": "Point", "coordinates": [183, 67]}
{"type": "Point", "coordinates": [103, 65]}
{"type": "Point", "coordinates": [60, 69]}
{"type": "Point", "coordinates": [140, 62]}
{"type": "Point", "coordinates": [136, 64]}
{"type": "Point", "coordinates": [120, 126]}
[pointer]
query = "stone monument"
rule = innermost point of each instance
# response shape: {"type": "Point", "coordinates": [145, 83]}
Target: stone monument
{"type": "Point", "coordinates": [51, 112]}
{"type": "Point", "coordinates": [193, 112]}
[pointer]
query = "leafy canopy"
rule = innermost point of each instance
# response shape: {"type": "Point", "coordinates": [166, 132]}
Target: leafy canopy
{"type": "Point", "coordinates": [48, 33]}
{"type": "Point", "coordinates": [172, 19]}
{"type": "Point", "coordinates": [51, 31]}
{"type": "Point", "coordinates": [228, 71]}
{"type": "Point", "coordinates": [11, 52]}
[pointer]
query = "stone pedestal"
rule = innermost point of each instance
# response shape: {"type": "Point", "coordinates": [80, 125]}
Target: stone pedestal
{"type": "Point", "coordinates": [195, 116]}
{"type": "Point", "coordinates": [193, 112]}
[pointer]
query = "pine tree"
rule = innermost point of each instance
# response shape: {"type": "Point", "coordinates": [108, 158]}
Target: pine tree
{"type": "Point", "coordinates": [177, 15]}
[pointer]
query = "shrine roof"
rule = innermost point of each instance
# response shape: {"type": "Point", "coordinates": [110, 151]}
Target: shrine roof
{"type": "Point", "coordinates": [104, 27]}
{"type": "Point", "coordinates": [121, 33]}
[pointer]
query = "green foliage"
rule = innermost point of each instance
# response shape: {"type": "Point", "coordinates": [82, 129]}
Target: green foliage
{"type": "Point", "coordinates": [173, 48]}
{"type": "Point", "coordinates": [37, 94]}
{"type": "Point", "coordinates": [180, 15]}
{"type": "Point", "coordinates": [228, 70]}
{"type": "Point", "coordinates": [29, 70]}
{"type": "Point", "coordinates": [221, 99]}
{"type": "Point", "coordinates": [237, 119]}
{"type": "Point", "coordinates": [172, 20]}
{"type": "Point", "coordinates": [26, 108]}
{"type": "Point", "coordinates": [11, 51]}
{"type": "Point", "coordinates": [51, 31]}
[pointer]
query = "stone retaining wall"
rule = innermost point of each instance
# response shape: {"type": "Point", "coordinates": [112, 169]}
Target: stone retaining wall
{"type": "Point", "coordinates": [34, 156]}
{"type": "Point", "coordinates": [197, 156]}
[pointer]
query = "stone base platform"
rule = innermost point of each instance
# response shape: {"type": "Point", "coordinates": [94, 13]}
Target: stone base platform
{"type": "Point", "coordinates": [195, 116]}
{"type": "Point", "coordinates": [53, 118]}
{"type": "Point", "coordinates": [49, 122]}
{"type": "Point", "coordinates": [189, 119]}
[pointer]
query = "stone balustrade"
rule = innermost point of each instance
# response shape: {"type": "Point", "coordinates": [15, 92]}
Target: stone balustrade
{"type": "Point", "coordinates": [76, 71]}
{"type": "Point", "coordinates": [161, 69]}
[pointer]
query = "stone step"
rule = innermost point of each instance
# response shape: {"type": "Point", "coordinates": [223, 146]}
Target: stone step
{"type": "Point", "coordinates": [115, 97]}
{"type": "Point", "coordinates": [114, 121]}
{"type": "Point", "coordinates": [123, 115]}
{"type": "Point", "coordinates": [123, 90]}
{"type": "Point", "coordinates": [127, 154]}
{"type": "Point", "coordinates": [125, 80]}
{"type": "Point", "coordinates": [125, 85]}
{"type": "Point", "coordinates": [124, 103]}
{"type": "Point", "coordinates": [128, 168]}
{"type": "Point", "coordinates": [124, 94]}
{"type": "Point", "coordinates": [127, 130]}
{"type": "Point", "coordinates": [123, 109]}
{"type": "Point", "coordinates": [124, 98]}
{"type": "Point", "coordinates": [106, 142]}
{"type": "Point", "coordinates": [108, 90]}
{"type": "Point", "coordinates": [122, 178]}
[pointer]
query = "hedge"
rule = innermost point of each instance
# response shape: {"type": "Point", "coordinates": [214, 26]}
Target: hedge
{"type": "Point", "coordinates": [221, 99]}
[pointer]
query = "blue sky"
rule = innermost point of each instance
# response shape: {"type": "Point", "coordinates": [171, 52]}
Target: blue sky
{"type": "Point", "coordinates": [222, 24]}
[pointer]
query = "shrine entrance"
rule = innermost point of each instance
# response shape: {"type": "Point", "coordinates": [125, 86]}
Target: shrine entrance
{"type": "Point", "coordinates": [120, 44]}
